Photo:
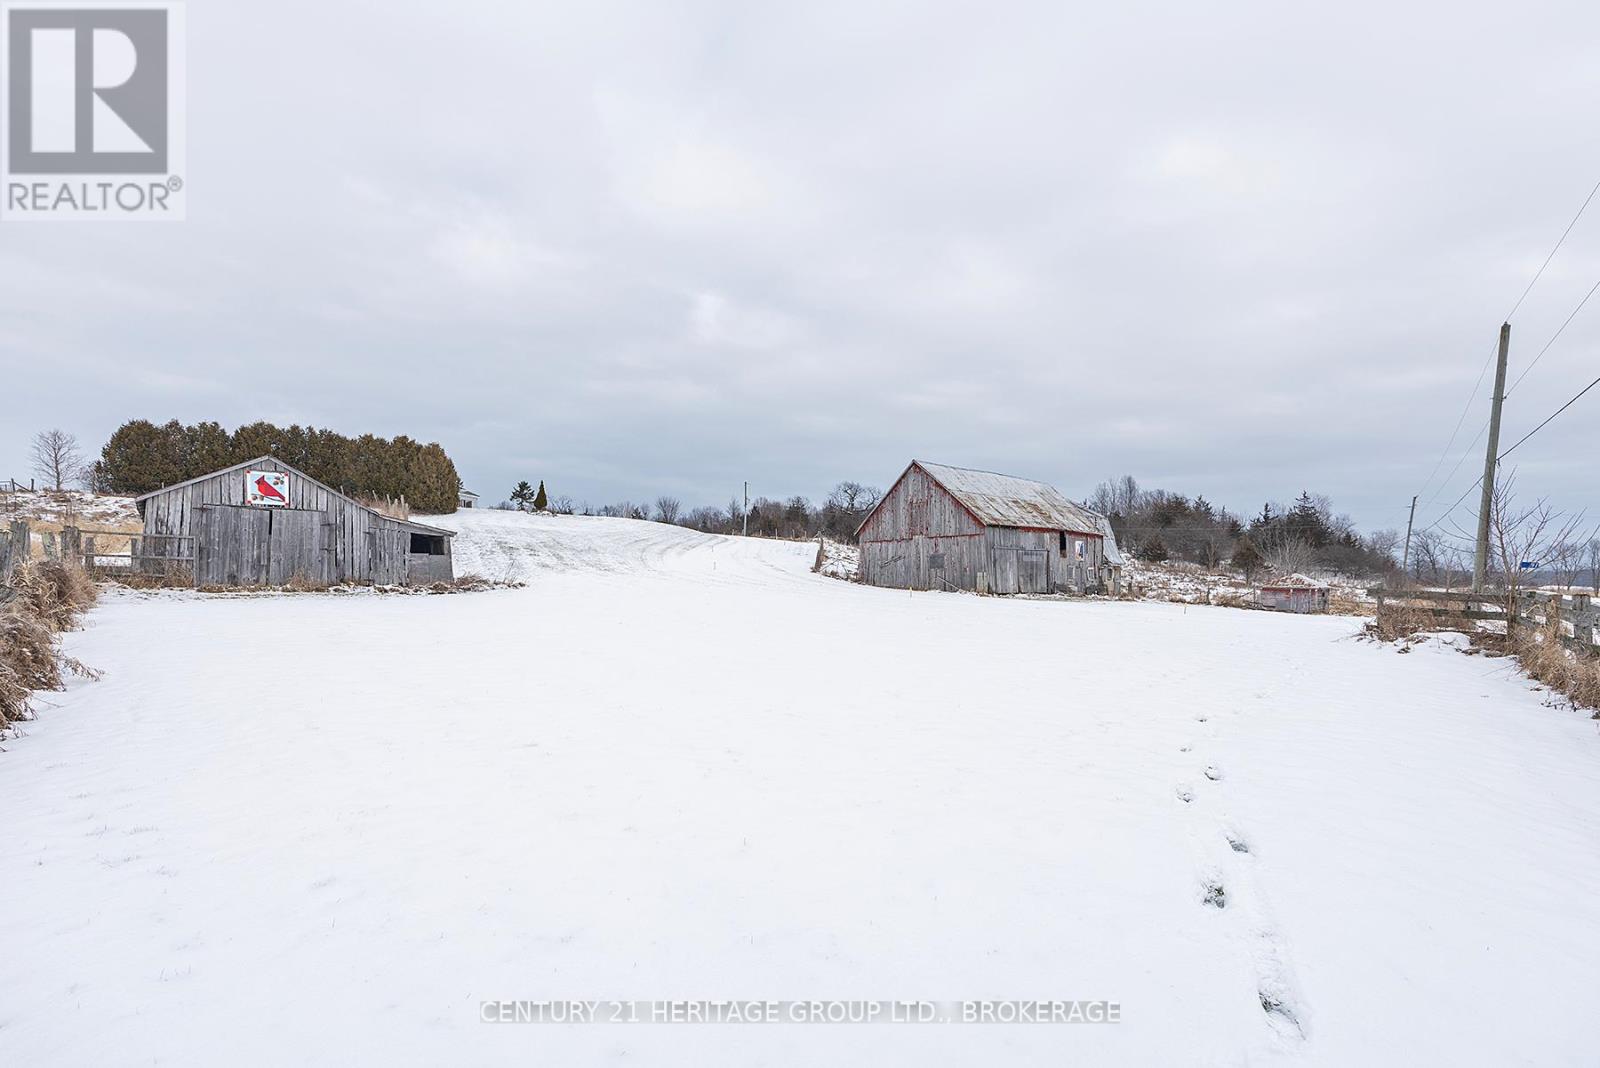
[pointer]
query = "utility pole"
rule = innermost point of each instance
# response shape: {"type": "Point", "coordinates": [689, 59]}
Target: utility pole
{"type": "Point", "coordinates": [1480, 560]}
{"type": "Point", "coordinates": [1405, 559]}
{"type": "Point", "coordinates": [747, 508]}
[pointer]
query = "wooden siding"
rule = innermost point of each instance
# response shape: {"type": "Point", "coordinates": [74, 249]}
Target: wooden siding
{"type": "Point", "coordinates": [917, 506]}
{"type": "Point", "coordinates": [322, 535]}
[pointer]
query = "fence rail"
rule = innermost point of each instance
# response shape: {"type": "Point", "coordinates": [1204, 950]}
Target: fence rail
{"type": "Point", "coordinates": [1576, 611]}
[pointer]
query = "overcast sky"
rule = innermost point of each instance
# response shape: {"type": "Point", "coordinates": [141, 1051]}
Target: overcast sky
{"type": "Point", "coordinates": [1234, 249]}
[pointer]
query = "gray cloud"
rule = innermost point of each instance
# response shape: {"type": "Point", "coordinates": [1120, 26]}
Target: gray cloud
{"type": "Point", "coordinates": [627, 249]}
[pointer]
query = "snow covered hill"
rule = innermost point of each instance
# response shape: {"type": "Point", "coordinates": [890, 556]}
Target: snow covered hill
{"type": "Point", "coordinates": [323, 829]}
{"type": "Point", "coordinates": [526, 546]}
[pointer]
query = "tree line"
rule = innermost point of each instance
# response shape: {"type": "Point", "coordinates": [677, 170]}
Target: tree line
{"type": "Point", "coordinates": [1158, 525]}
{"type": "Point", "coordinates": [837, 517]}
{"type": "Point", "coordinates": [142, 456]}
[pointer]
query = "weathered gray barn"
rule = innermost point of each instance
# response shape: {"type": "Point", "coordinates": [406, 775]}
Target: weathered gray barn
{"type": "Point", "coordinates": [263, 523]}
{"type": "Point", "coordinates": [944, 527]}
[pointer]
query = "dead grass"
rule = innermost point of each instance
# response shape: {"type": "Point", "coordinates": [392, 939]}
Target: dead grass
{"type": "Point", "coordinates": [48, 598]}
{"type": "Point", "coordinates": [28, 662]}
{"type": "Point", "coordinates": [1569, 672]}
{"type": "Point", "coordinates": [300, 582]}
{"type": "Point", "coordinates": [394, 508]}
{"type": "Point", "coordinates": [175, 577]}
{"type": "Point", "coordinates": [53, 593]}
{"type": "Point", "coordinates": [1343, 602]}
{"type": "Point", "coordinates": [1397, 621]}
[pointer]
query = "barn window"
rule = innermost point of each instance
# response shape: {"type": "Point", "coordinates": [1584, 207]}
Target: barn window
{"type": "Point", "coordinates": [1063, 542]}
{"type": "Point", "coordinates": [427, 544]}
{"type": "Point", "coordinates": [1080, 550]}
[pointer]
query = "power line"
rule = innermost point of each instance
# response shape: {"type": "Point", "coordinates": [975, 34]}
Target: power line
{"type": "Point", "coordinates": [1479, 481]}
{"type": "Point", "coordinates": [1482, 430]}
{"type": "Point", "coordinates": [1548, 420]}
{"type": "Point", "coordinates": [1448, 511]}
{"type": "Point", "coordinates": [1559, 242]}
{"type": "Point", "coordinates": [1459, 420]}
{"type": "Point", "coordinates": [1490, 359]}
{"type": "Point", "coordinates": [1553, 337]}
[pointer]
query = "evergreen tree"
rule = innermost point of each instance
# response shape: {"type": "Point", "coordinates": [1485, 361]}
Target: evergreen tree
{"type": "Point", "coordinates": [141, 456]}
{"type": "Point", "coordinates": [1153, 549]}
{"type": "Point", "coordinates": [522, 495]}
{"type": "Point", "coordinates": [540, 501]}
{"type": "Point", "coordinates": [1247, 558]}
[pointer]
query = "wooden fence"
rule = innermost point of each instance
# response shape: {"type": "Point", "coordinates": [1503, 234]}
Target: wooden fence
{"type": "Point", "coordinates": [1576, 612]}
{"type": "Point", "coordinates": [14, 543]}
{"type": "Point", "coordinates": [160, 555]}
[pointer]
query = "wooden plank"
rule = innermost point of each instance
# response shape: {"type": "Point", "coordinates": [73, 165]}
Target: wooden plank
{"type": "Point", "coordinates": [1435, 595]}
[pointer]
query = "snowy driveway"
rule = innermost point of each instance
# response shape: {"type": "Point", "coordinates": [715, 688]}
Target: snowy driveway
{"type": "Point", "coordinates": [323, 829]}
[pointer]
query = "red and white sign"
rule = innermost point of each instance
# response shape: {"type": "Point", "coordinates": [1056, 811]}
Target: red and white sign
{"type": "Point", "coordinates": [269, 488]}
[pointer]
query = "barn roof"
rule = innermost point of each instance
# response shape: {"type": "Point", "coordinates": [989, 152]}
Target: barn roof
{"type": "Point", "coordinates": [411, 524]}
{"type": "Point", "coordinates": [998, 500]}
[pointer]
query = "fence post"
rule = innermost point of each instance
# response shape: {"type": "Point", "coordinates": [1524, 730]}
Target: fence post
{"type": "Point", "coordinates": [1584, 619]}
{"type": "Point", "coordinates": [71, 544]}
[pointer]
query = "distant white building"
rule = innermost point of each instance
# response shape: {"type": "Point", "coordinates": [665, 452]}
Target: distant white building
{"type": "Point", "coordinates": [468, 499]}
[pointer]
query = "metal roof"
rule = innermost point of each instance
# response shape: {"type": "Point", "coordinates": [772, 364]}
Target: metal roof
{"type": "Point", "coordinates": [998, 500]}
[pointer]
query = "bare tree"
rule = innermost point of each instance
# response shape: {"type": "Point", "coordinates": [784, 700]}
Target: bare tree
{"type": "Point", "coordinates": [57, 459]}
{"type": "Point", "coordinates": [1570, 560]}
{"type": "Point", "coordinates": [668, 509]}
{"type": "Point", "coordinates": [1287, 553]}
{"type": "Point", "coordinates": [1427, 550]}
{"type": "Point", "coordinates": [1531, 535]}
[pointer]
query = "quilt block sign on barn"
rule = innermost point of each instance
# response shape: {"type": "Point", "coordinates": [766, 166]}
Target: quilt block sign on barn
{"type": "Point", "coordinates": [269, 488]}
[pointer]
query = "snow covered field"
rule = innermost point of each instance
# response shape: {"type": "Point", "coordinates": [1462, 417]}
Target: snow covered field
{"type": "Point", "coordinates": [322, 829]}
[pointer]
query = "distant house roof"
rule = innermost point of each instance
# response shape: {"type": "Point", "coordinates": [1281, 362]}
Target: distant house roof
{"type": "Point", "coordinates": [469, 493]}
{"type": "Point", "coordinates": [1296, 581]}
